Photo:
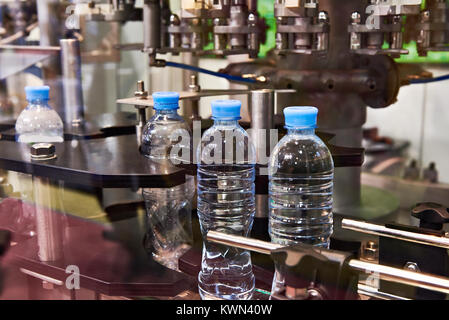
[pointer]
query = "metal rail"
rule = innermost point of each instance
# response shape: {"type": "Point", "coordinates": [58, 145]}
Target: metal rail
{"type": "Point", "coordinates": [373, 292]}
{"type": "Point", "coordinates": [242, 242]}
{"type": "Point", "coordinates": [417, 279]}
{"type": "Point", "coordinates": [413, 278]}
{"type": "Point", "coordinates": [381, 230]}
{"type": "Point", "coordinates": [31, 49]}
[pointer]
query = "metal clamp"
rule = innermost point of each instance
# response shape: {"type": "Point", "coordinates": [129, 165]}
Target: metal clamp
{"type": "Point", "coordinates": [396, 275]}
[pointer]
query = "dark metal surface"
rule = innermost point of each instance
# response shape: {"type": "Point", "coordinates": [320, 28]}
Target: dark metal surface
{"type": "Point", "coordinates": [183, 95]}
{"type": "Point", "coordinates": [5, 238]}
{"type": "Point", "coordinates": [431, 215]}
{"type": "Point", "coordinates": [94, 127]}
{"type": "Point", "coordinates": [372, 81]}
{"type": "Point", "coordinates": [7, 125]}
{"type": "Point", "coordinates": [342, 157]}
{"type": "Point", "coordinates": [113, 162]}
{"type": "Point", "coordinates": [428, 259]}
{"type": "Point", "coordinates": [110, 260]}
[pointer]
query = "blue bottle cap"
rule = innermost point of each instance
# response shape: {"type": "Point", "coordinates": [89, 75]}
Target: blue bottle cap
{"type": "Point", "coordinates": [300, 117]}
{"type": "Point", "coordinates": [37, 92]}
{"type": "Point", "coordinates": [166, 100]}
{"type": "Point", "coordinates": [226, 109]}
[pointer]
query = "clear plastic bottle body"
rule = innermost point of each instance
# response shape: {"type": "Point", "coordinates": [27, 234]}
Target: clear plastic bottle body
{"type": "Point", "coordinates": [38, 122]}
{"type": "Point", "coordinates": [301, 181]}
{"type": "Point", "coordinates": [169, 216]}
{"type": "Point", "coordinates": [300, 193]}
{"type": "Point", "coordinates": [162, 132]}
{"type": "Point", "coordinates": [168, 209]}
{"type": "Point", "coordinates": [226, 203]}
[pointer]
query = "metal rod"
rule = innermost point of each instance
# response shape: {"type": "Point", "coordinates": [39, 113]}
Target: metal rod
{"type": "Point", "coordinates": [151, 26]}
{"type": "Point", "coordinates": [381, 230]}
{"type": "Point", "coordinates": [51, 29]}
{"type": "Point", "coordinates": [31, 49]}
{"type": "Point", "coordinates": [417, 279]}
{"type": "Point", "coordinates": [72, 84]}
{"type": "Point", "coordinates": [262, 110]}
{"type": "Point", "coordinates": [19, 34]}
{"type": "Point", "coordinates": [413, 278]}
{"type": "Point", "coordinates": [242, 242]}
{"type": "Point", "coordinates": [373, 292]}
{"type": "Point", "coordinates": [42, 277]}
{"type": "Point", "coordinates": [48, 224]}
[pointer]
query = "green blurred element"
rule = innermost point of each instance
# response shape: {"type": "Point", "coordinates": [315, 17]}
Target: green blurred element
{"type": "Point", "coordinates": [263, 291]}
{"type": "Point", "coordinates": [265, 8]}
{"type": "Point", "coordinates": [412, 57]}
{"type": "Point", "coordinates": [423, 5]}
{"type": "Point", "coordinates": [209, 46]}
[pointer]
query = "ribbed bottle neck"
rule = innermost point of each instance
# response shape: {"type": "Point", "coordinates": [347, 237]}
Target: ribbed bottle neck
{"type": "Point", "coordinates": [225, 123]}
{"type": "Point", "coordinates": [301, 131]}
{"type": "Point", "coordinates": [166, 112]}
{"type": "Point", "coordinates": [38, 102]}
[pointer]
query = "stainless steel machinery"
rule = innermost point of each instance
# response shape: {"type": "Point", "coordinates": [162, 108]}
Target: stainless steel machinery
{"type": "Point", "coordinates": [340, 56]}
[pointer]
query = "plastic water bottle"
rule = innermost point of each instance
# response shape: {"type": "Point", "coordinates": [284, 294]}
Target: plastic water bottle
{"type": "Point", "coordinates": [226, 172]}
{"type": "Point", "coordinates": [166, 139]}
{"type": "Point", "coordinates": [38, 122]}
{"type": "Point", "coordinates": [163, 131]}
{"type": "Point", "coordinates": [301, 174]}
